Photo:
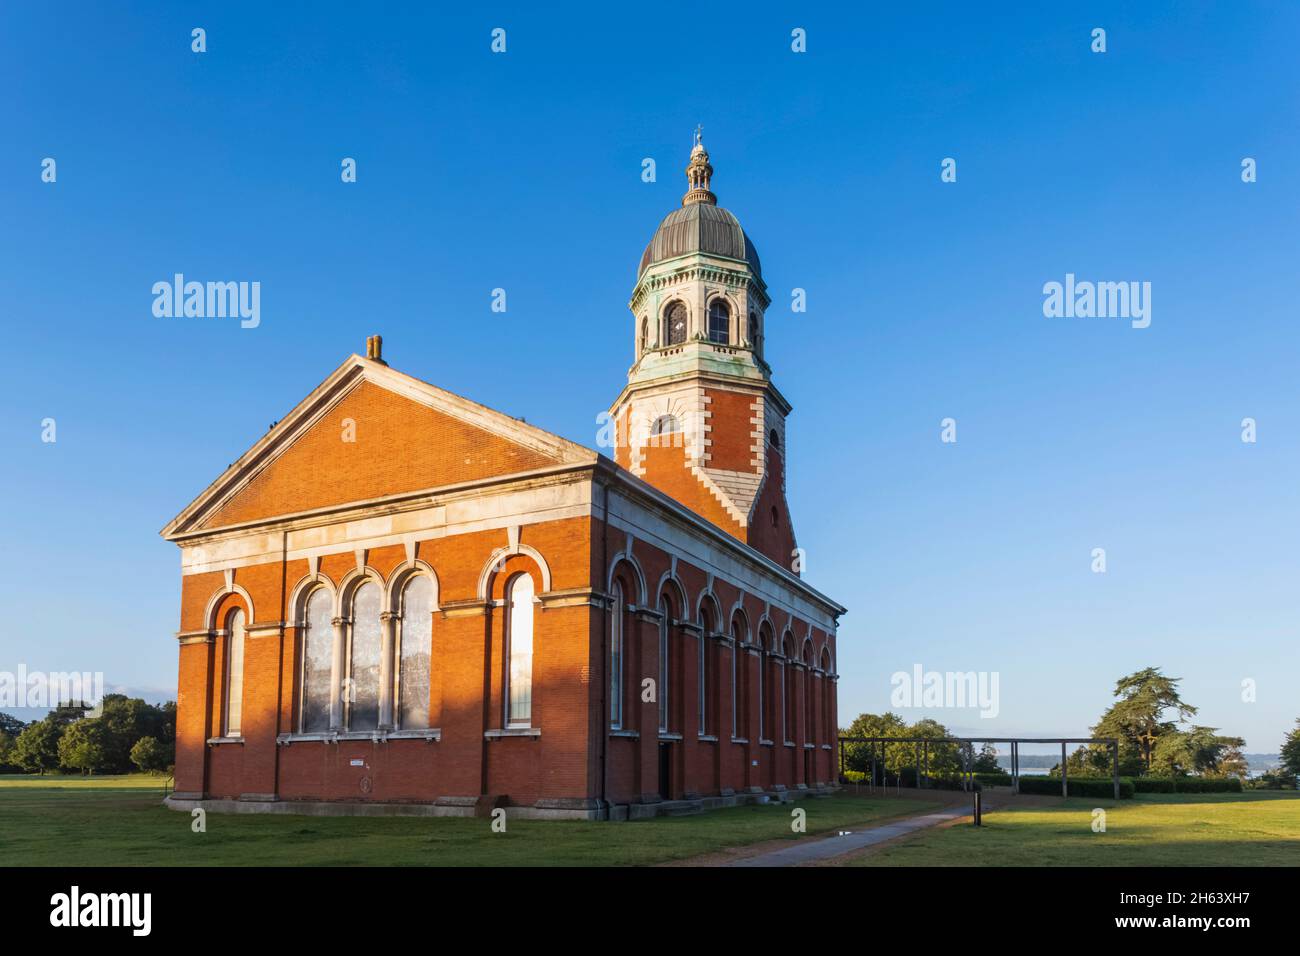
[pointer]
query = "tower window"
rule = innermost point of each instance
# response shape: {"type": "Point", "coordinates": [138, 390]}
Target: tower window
{"type": "Point", "coordinates": [719, 322]}
{"type": "Point", "coordinates": [776, 518]}
{"type": "Point", "coordinates": [675, 324]}
{"type": "Point", "coordinates": [774, 438]}
{"type": "Point", "coordinates": [645, 336]}
{"type": "Point", "coordinates": [665, 425]}
{"type": "Point", "coordinates": [666, 432]}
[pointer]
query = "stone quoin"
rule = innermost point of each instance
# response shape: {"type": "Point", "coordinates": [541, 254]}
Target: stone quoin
{"type": "Point", "coordinates": [401, 601]}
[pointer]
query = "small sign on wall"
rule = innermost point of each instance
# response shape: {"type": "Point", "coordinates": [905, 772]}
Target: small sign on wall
{"type": "Point", "coordinates": [358, 763]}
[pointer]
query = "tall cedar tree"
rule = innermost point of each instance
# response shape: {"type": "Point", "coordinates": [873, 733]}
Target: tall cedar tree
{"type": "Point", "coordinates": [1137, 717]}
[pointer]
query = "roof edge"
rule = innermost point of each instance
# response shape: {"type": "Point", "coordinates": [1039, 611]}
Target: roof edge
{"type": "Point", "coordinates": [354, 370]}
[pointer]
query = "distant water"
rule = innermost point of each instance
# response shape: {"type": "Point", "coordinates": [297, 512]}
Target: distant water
{"type": "Point", "coordinates": [1005, 764]}
{"type": "Point", "coordinates": [1257, 764]}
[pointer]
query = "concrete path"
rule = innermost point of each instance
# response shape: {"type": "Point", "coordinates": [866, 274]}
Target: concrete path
{"type": "Point", "coordinates": [831, 846]}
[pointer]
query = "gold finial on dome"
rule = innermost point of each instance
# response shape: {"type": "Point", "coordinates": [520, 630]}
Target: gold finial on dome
{"type": "Point", "coordinates": [698, 173]}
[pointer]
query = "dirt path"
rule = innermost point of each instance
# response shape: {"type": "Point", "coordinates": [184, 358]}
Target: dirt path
{"type": "Point", "coordinates": [854, 842]}
{"type": "Point", "coordinates": [993, 801]}
{"type": "Point", "coordinates": [736, 855]}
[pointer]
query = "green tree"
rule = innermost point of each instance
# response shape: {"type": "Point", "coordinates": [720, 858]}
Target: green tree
{"type": "Point", "coordinates": [1137, 717]}
{"type": "Point", "coordinates": [69, 713]}
{"type": "Point", "coordinates": [1291, 751]}
{"type": "Point", "coordinates": [1090, 760]}
{"type": "Point", "coordinates": [945, 759]}
{"type": "Point", "coordinates": [84, 746]}
{"type": "Point", "coordinates": [1215, 755]}
{"type": "Point", "coordinates": [127, 719]}
{"type": "Point", "coordinates": [150, 755]}
{"type": "Point", "coordinates": [6, 749]}
{"type": "Point", "coordinates": [1173, 755]}
{"type": "Point", "coordinates": [1199, 750]}
{"type": "Point", "coordinates": [37, 748]}
{"type": "Point", "coordinates": [859, 756]}
{"type": "Point", "coordinates": [11, 725]}
{"type": "Point", "coordinates": [987, 760]}
{"type": "Point", "coordinates": [167, 727]}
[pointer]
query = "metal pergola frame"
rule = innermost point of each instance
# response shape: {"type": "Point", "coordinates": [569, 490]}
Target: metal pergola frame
{"type": "Point", "coordinates": [968, 773]}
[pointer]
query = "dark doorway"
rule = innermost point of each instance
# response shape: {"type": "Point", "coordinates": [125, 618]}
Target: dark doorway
{"type": "Point", "coordinates": [665, 769]}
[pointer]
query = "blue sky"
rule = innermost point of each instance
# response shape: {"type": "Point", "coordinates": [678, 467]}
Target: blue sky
{"type": "Point", "coordinates": [522, 171]}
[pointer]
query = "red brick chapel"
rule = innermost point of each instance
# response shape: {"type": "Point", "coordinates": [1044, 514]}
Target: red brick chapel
{"type": "Point", "coordinates": [401, 601]}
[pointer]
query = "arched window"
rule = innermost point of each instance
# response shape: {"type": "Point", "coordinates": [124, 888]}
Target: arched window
{"type": "Point", "coordinates": [666, 425]}
{"type": "Point", "coordinates": [519, 651]}
{"type": "Point", "coordinates": [828, 715]}
{"type": "Point", "coordinates": [705, 667]}
{"type": "Point", "coordinates": [616, 657]}
{"type": "Point", "coordinates": [234, 673]}
{"type": "Point", "coordinates": [415, 648]}
{"type": "Point", "coordinates": [775, 439]}
{"type": "Point", "coordinates": [674, 325]}
{"type": "Point", "coordinates": [762, 683]}
{"type": "Point", "coordinates": [365, 651]}
{"type": "Point", "coordinates": [751, 331]}
{"type": "Point", "coordinates": [737, 674]}
{"type": "Point", "coordinates": [666, 432]}
{"type": "Point", "coordinates": [788, 711]}
{"type": "Point", "coordinates": [719, 322]}
{"type": "Point", "coordinates": [776, 517]}
{"type": "Point", "coordinates": [665, 621]}
{"type": "Point", "coordinates": [317, 663]}
{"type": "Point", "coordinates": [809, 705]}
{"type": "Point", "coordinates": [645, 336]}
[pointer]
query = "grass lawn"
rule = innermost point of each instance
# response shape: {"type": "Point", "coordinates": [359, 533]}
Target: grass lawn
{"type": "Point", "coordinates": [1259, 828]}
{"type": "Point", "coordinates": [116, 821]}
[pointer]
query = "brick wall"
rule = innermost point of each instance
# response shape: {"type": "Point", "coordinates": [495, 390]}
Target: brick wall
{"type": "Point", "coordinates": [398, 445]}
{"type": "Point", "coordinates": [402, 445]}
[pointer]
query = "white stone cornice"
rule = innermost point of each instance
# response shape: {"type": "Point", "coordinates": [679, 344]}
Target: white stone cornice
{"type": "Point", "coordinates": [312, 537]}
{"type": "Point", "coordinates": [264, 629]}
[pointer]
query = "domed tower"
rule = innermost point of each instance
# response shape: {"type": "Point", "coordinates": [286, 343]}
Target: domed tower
{"type": "Point", "coordinates": [700, 418]}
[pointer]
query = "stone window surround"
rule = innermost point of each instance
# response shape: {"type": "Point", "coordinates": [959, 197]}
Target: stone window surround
{"type": "Point", "coordinates": [262, 629]}
{"type": "Point", "coordinates": [431, 735]}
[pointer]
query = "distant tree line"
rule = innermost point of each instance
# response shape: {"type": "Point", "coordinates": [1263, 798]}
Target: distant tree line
{"type": "Point", "coordinates": [1149, 719]}
{"type": "Point", "coordinates": [945, 759]}
{"type": "Point", "coordinates": [126, 734]}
